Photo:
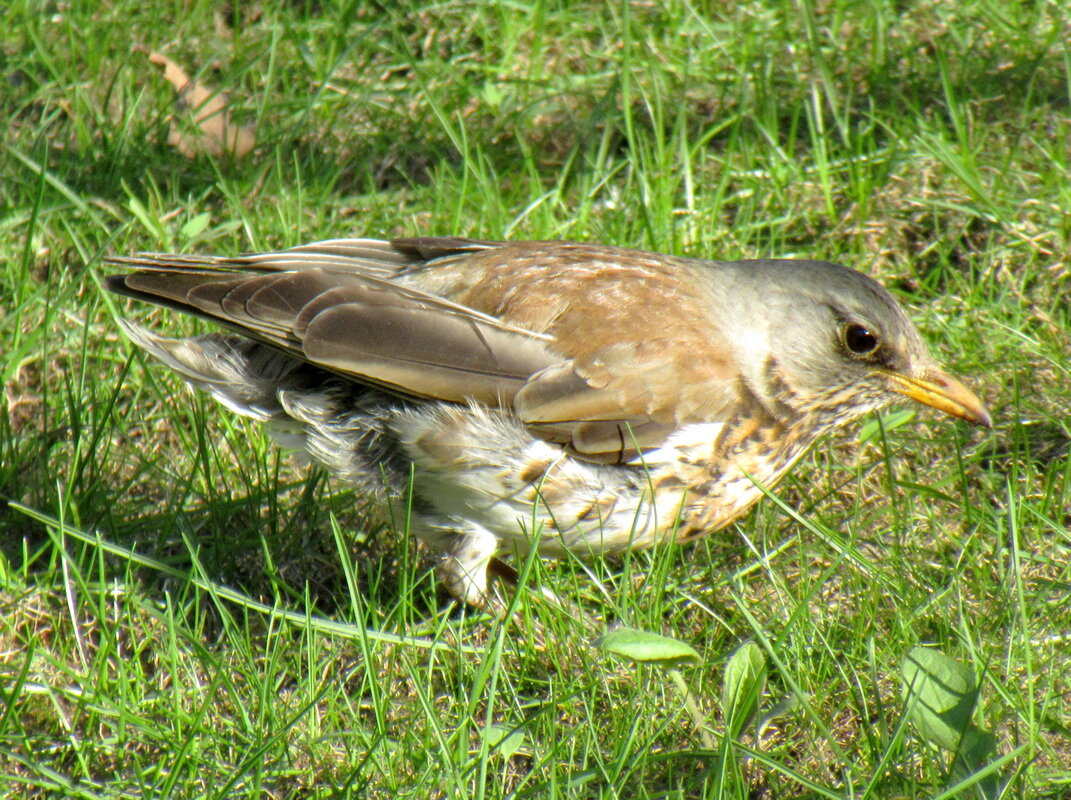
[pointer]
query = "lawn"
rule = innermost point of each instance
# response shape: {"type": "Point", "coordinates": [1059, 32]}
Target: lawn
{"type": "Point", "coordinates": [187, 612]}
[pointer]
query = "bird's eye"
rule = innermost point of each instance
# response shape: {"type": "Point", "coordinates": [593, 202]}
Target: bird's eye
{"type": "Point", "coordinates": [860, 340]}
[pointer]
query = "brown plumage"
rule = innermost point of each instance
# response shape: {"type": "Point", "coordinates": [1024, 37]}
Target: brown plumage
{"type": "Point", "coordinates": [612, 398]}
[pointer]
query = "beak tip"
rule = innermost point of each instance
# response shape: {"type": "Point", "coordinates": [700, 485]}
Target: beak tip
{"type": "Point", "coordinates": [943, 392]}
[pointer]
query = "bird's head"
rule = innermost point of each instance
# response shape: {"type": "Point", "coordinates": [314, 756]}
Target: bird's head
{"type": "Point", "coordinates": [830, 341]}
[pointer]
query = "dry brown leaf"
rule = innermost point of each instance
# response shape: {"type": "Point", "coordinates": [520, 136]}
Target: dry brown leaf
{"type": "Point", "coordinates": [217, 133]}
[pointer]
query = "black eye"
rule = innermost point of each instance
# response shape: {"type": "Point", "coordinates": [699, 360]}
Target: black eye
{"type": "Point", "coordinates": [860, 340]}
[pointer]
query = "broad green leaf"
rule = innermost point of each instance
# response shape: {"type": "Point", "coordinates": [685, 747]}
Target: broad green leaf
{"type": "Point", "coordinates": [742, 687]}
{"type": "Point", "coordinates": [940, 694]}
{"type": "Point", "coordinates": [648, 647]}
{"type": "Point", "coordinates": [507, 740]}
{"type": "Point", "coordinates": [195, 226]}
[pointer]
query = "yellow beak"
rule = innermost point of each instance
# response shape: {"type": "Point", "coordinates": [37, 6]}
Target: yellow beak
{"type": "Point", "coordinates": [943, 392]}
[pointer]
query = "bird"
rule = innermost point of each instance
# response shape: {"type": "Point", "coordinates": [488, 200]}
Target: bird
{"type": "Point", "coordinates": [566, 397]}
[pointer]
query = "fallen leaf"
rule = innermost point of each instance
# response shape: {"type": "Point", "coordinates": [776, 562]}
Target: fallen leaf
{"type": "Point", "coordinates": [217, 134]}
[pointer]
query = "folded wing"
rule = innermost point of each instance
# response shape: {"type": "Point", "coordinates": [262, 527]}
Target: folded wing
{"type": "Point", "coordinates": [358, 325]}
{"type": "Point", "coordinates": [605, 395]}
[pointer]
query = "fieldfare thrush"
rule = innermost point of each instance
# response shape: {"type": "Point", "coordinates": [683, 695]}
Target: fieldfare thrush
{"type": "Point", "coordinates": [564, 396]}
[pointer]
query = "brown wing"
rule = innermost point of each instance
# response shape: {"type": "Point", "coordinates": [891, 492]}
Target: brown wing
{"type": "Point", "coordinates": [641, 354]}
{"type": "Point", "coordinates": [352, 323]}
{"type": "Point", "coordinates": [606, 351]}
{"type": "Point", "coordinates": [626, 401]}
{"type": "Point", "coordinates": [373, 257]}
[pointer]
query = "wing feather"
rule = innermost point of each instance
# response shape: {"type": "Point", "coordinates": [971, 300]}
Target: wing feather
{"type": "Point", "coordinates": [595, 348]}
{"type": "Point", "coordinates": [360, 326]}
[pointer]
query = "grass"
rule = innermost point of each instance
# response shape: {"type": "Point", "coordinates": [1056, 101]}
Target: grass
{"type": "Point", "coordinates": [188, 614]}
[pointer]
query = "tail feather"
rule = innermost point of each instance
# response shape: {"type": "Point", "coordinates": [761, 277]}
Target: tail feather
{"type": "Point", "coordinates": [241, 374]}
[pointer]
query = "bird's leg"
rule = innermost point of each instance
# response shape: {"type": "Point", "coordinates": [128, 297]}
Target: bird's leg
{"type": "Point", "coordinates": [463, 569]}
